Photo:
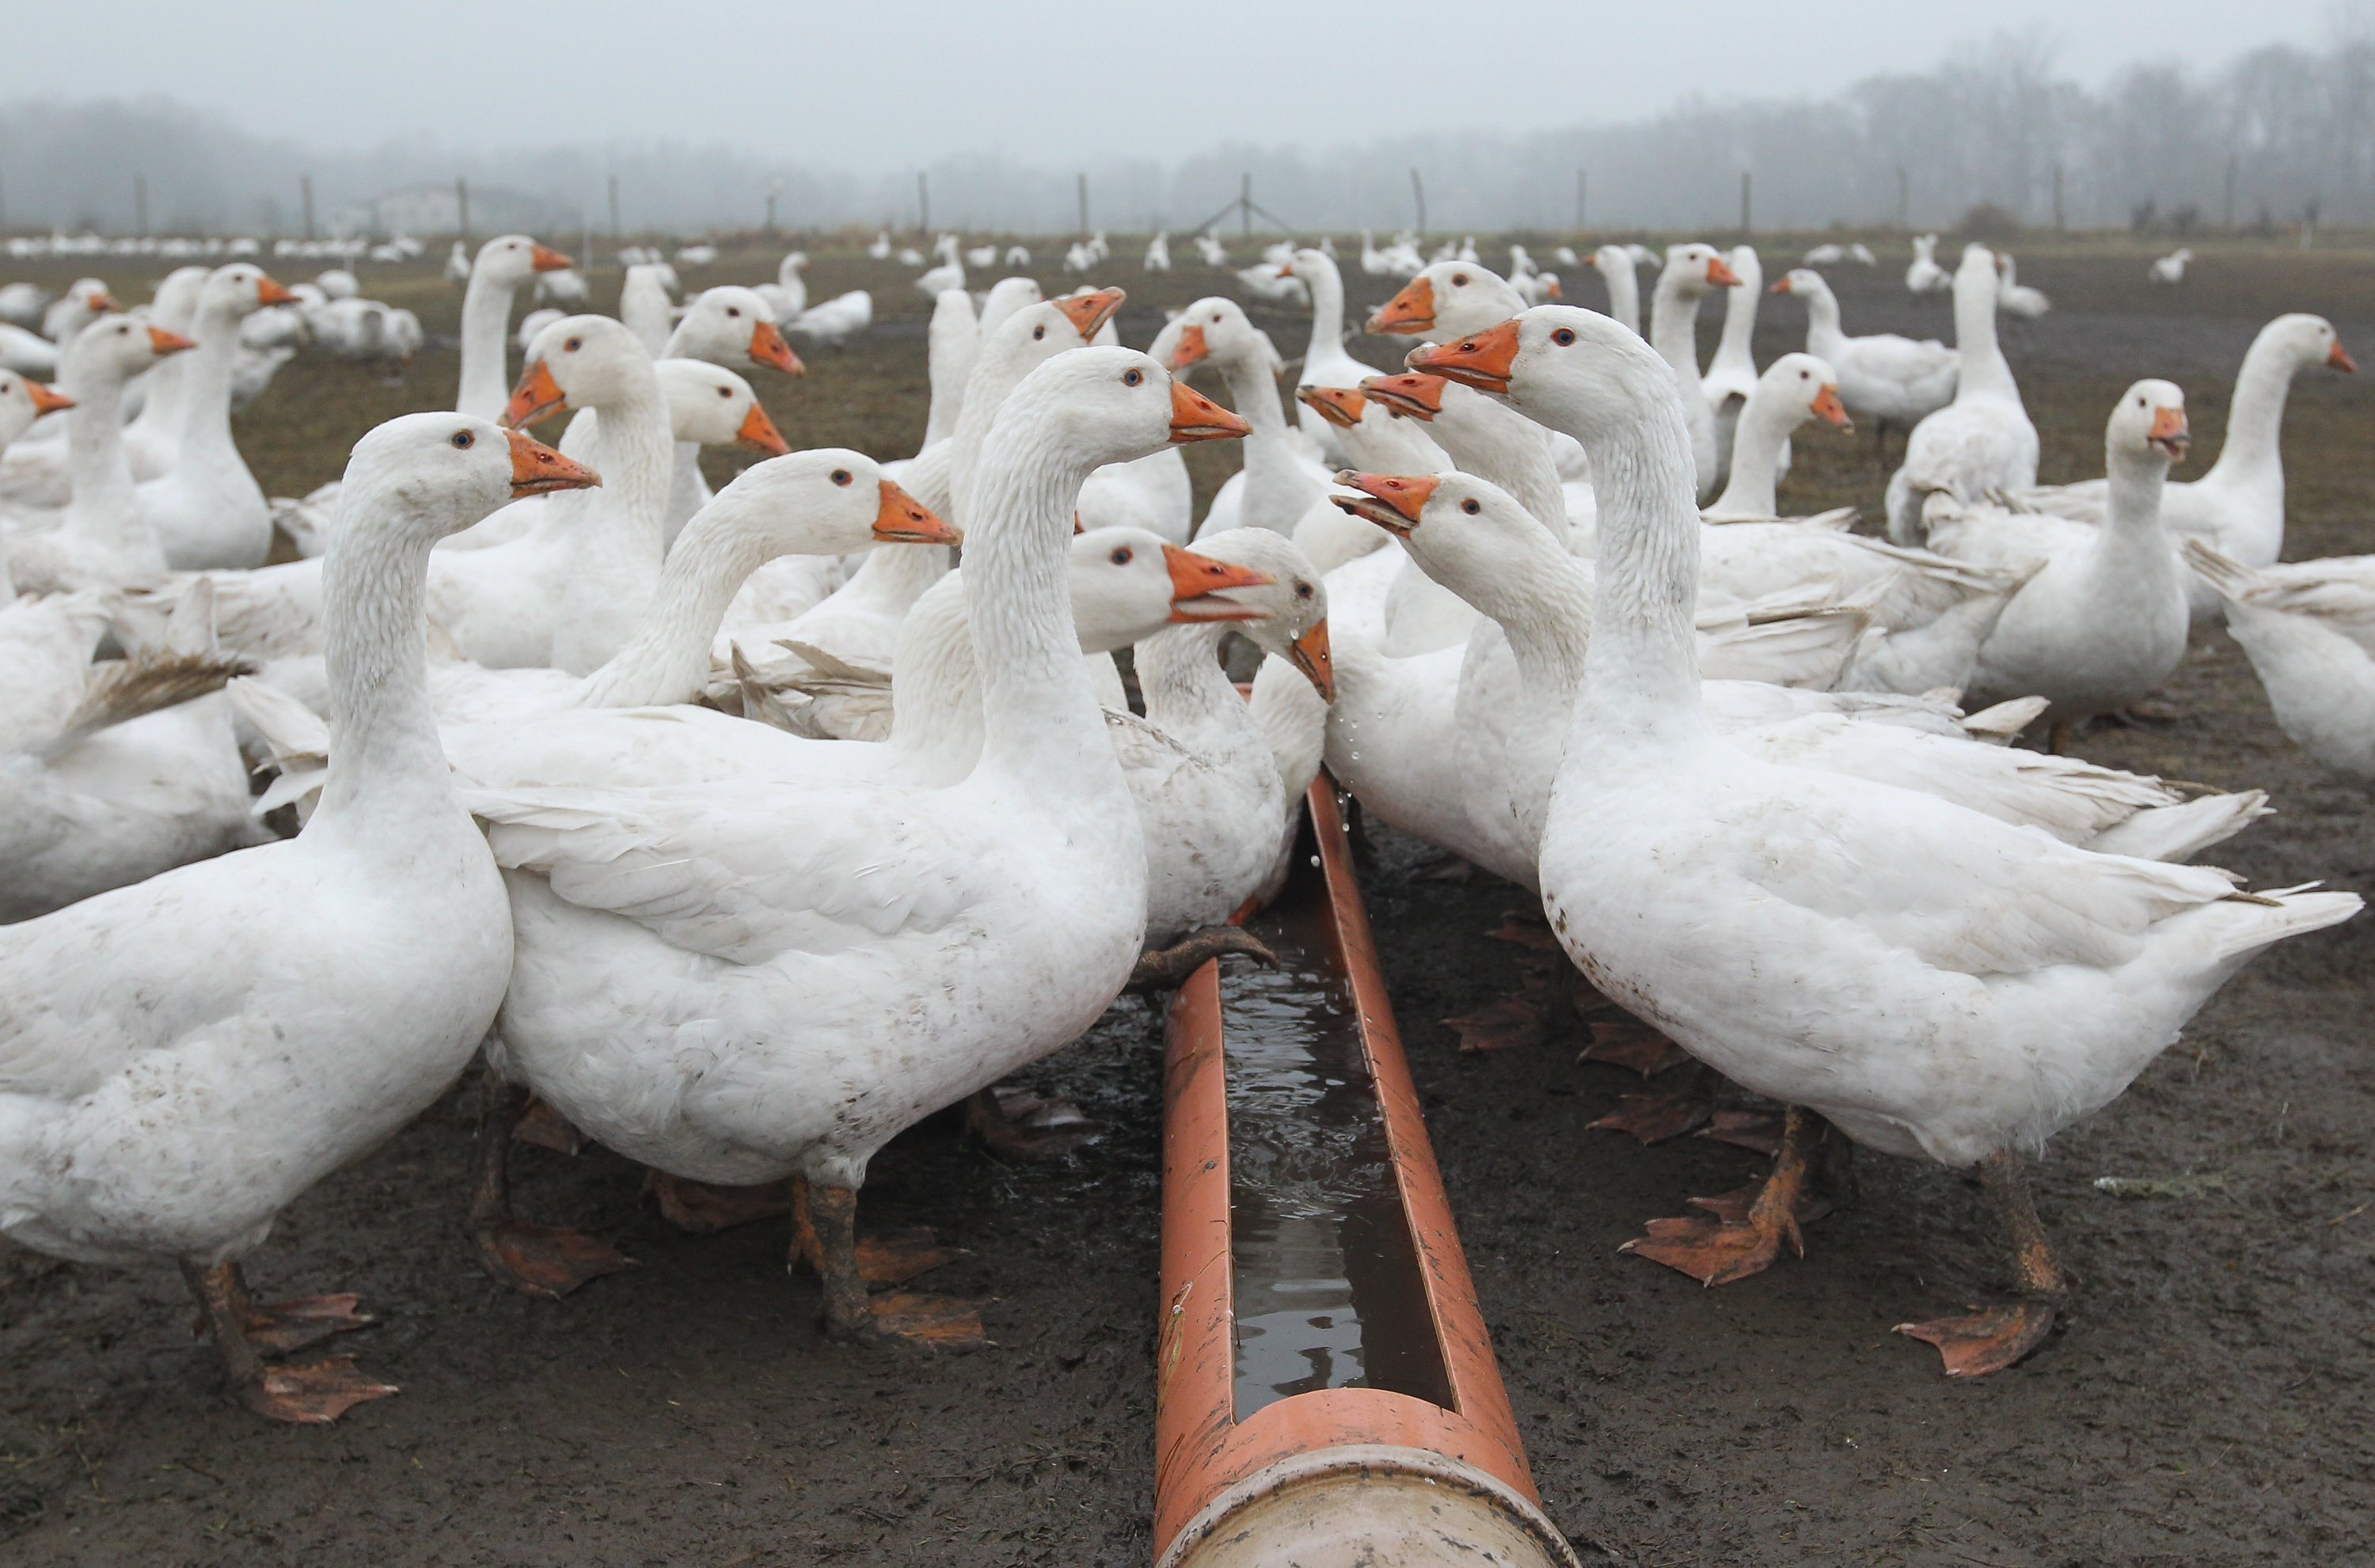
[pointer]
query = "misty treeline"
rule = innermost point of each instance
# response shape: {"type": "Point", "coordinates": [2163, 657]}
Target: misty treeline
{"type": "Point", "coordinates": [2278, 132]}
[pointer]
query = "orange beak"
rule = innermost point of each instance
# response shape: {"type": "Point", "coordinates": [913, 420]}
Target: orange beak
{"type": "Point", "coordinates": [270, 291]}
{"type": "Point", "coordinates": [1286, 271]}
{"type": "Point", "coordinates": [2170, 433]}
{"type": "Point", "coordinates": [1556, 291]}
{"type": "Point", "coordinates": [1828, 405]}
{"type": "Point", "coordinates": [2339, 357]}
{"type": "Point", "coordinates": [46, 398]}
{"type": "Point", "coordinates": [1780, 287]}
{"type": "Point", "coordinates": [537, 395]}
{"type": "Point", "coordinates": [904, 520]}
{"type": "Point", "coordinates": [1721, 276]}
{"type": "Point", "coordinates": [543, 258]}
{"type": "Point", "coordinates": [536, 468]}
{"type": "Point", "coordinates": [1409, 395]}
{"type": "Point", "coordinates": [1339, 406]}
{"type": "Point", "coordinates": [1392, 501]}
{"type": "Point", "coordinates": [1412, 310]}
{"type": "Point", "coordinates": [1190, 350]}
{"type": "Point", "coordinates": [759, 433]}
{"type": "Point", "coordinates": [165, 342]}
{"type": "Point", "coordinates": [1195, 417]}
{"type": "Point", "coordinates": [102, 302]}
{"type": "Point", "coordinates": [1482, 360]}
{"type": "Point", "coordinates": [1195, 577]}
{"type": "Point", "coordinates": [1088, 312]}
{"type": "Point", "coordinates": [768, 347]}
{"type": "Point", "coordinates": [1309, 654]}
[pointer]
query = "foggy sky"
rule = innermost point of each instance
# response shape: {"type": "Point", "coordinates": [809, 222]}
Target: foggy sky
{"type": "Point", "coordinates": [882, 85]}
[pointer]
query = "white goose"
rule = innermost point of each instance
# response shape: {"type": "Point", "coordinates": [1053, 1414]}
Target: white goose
{"type": "Point", "coordinates": [154, 435]}
{"type": "Point", "coordinates": [1201, 765]}
{"type": "Point", "coordinates": [859, 625]}
{"type": "Point", "coordinates": [207, 510]}
{"type": "Point", "coordinates": [887, 952]}
{"type": "Point", "coordinates": [1883, 377]}
{"type": "Point", "coordinates": [114, 771]}
{"type": "Point", "coordinates": [504, 263]}
{"type": "Point", "coordinates": [2239, 506]}
{"type": "Point", "coordinates": [100, 539]}
{"type": "Point", "coordinates": [1692, 273]}
{"type": "Point", "coordinates": [567, 593]}
{"type": "Point", "coordinates": [1980, 443]}
{"type": "Point", "coordinates": [2102, 621]}
{"type": "Point", "coordinates": [1731, 375]}
{"type": "Point", "coordinates": [297, 1003]}
{"type": "Point", "coordinates": [1278, 484]}
{"type": "Point", "coordinates": [1510, 734]}
{"type": "Point", "coordinates": [1326, 362]}
{"type": "Point", "coordinates": [1925, 275]}
{"type": "Point", "coordinates": [2308, 629]}
{"type": "Point", "coordinates": [1936, 983]}
{"type": "Point", "coordinates": [2015, 297]}
{"type": "Point", "coordinates": [1614, 265]}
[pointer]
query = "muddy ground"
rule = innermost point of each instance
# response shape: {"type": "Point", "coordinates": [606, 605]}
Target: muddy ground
{"type": "Point", "coordinates": [2207, 1402]}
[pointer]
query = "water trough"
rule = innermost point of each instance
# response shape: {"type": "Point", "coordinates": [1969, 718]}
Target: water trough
{"type": "Point", "coordinates": [1326, 1394]}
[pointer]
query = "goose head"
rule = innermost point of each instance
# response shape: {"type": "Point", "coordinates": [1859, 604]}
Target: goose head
{"type": "Point", "coordinates": [1977, 272]}
{"type": "Point", "coordinates": [1464, 532]}
{"type": "Point", "coordinates": [1339, 406]}
{"type": "Point", "coordinates": [1098, 405]}
{"type": "Point", "coordinates": [788, 271]}
{"type": "Point", "coordinates": [115, 348]}
{"type": "Point", "coordinates": [431, 474]}
{"type": "Point", "coordinates": [2147, 430]}
{"type": "Point", "coordinates": [1570, 368]}
{"type": "Point", "coordinates": [1309, 263]}
{"type": "Point", "coordinates": [1293, 602]}
{"type": "Point", "coordinates": [1035, 334]}
{"type": "Point", "coordinates": [2311, 340]}
{"type": "Point", "coordinates": [1445, 299]}
{"type": "Point", "coordinates": [22, 402]}
{"type": "Point", "coordinates": [732, 325]}
{"type": "Point", "coordinates": [239, 290]}
{"type": "Point", "coordinates": [1214, 328]}
{"type": "Point", "coordinates": [1007, 296]}
{"type": "Point", "coordinates": [1128, 583]}
{"type": "Point", "coordinates": [1806, 387]}
{"type": "Point", "coordinates": [1803, 281]}
{"type": "Point", "coordinates": [1413, 394]}
{"type": "Point", "coordinates": [512, 259]}
{"type": "Point", "coordinates": [1698, 270]}
{"type": "Point", "coordinates": [578, 362]}
{"type": "Point", "coordinates": [1609, 258]}
{"type": "Point", "coordinates": [713, 405]}
{"type": "Point", "coordinates": [828, 502]}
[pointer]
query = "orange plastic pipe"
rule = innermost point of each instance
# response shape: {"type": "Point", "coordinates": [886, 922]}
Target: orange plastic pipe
{"type": "Point", "coordinates": [1201, 1450]}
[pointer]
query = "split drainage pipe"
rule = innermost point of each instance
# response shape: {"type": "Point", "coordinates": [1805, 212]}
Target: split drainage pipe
{"type": "Point", "coordinates": [1326, 1394]}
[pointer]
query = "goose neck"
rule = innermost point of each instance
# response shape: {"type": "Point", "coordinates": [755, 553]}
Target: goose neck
{"type": "Point", "coordinates": [1180, 678]}
{"type": "Point", "coordinates": [2255, 417]}
{"type": "Point", "coordinates": [1326, 313]}
{"type": "Point", "coordinates": [206, 387]}
{"type": "Point", "coordinates": [486, 321]}
{"type": "Point", "coordinates": [1643, 667]}
{"type": "Point", "coordinates": [1506, 449]}
{"type": "Point", "coordinates": [1540, 597]}
{"type": "Point", "coordinates": [1673, 324]}
{"type": "Point", "coordinates": [1624, 294]}
{"type": "Point", "coordinates": [387, 768]}
{"type": "Point", "coordinates": [668, 659]}
{"type": "Point", "coordinates": [635, 454]}
{"type": "Point", "coordinates": [936, 721]}
{"type": "Point", "coordinates": [103, 509]}
{"type": "Point", "coordinates": [1739, 325]}
{"type": "Point", "coordinates": [1822, 332]}
{"type": "Point", "coordinates": [1755, 453]}
{"type": "Point", "coordinates": [1984, 369]}
{"type": "Point", "coordinates": [2135, 483]}
{"type": "Point", "coordinates": [1040, 719]}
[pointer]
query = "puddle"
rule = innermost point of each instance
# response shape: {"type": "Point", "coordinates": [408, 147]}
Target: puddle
{"type": "Point", "coordinates": [1326, 1279]}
